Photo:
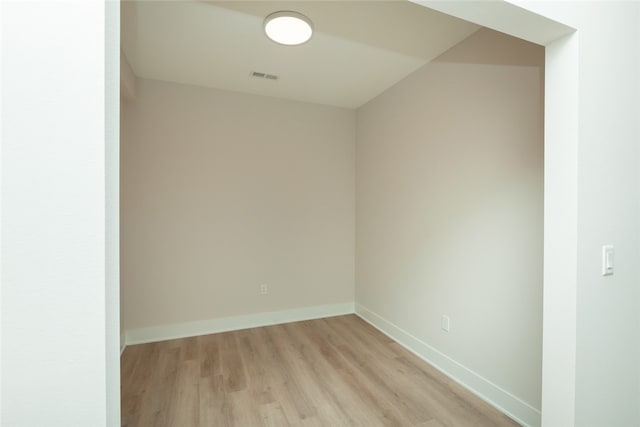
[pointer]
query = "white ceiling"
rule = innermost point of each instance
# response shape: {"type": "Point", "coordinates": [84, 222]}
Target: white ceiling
{"type": "Point", "coordinates": [358, 50]}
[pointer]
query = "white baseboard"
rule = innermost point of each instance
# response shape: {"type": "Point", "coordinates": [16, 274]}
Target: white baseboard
{"type": "Point", "coordinates": [226, 324]}
{"type": "Point", "coordinates": [514, 407]}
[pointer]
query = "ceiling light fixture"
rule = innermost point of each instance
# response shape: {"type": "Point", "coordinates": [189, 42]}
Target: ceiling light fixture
{"type": "Point", "coordinates": [288, 28]}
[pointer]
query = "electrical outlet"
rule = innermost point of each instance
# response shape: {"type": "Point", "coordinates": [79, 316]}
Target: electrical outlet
{"type": "Point", "coordinates": [444, 323]}
{"type": "Point", "coordinates": [264, 289]}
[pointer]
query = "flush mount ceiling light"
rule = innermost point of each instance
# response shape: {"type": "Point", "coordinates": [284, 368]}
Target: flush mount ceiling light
{"type": "Point", "coordinates": [288, 28]}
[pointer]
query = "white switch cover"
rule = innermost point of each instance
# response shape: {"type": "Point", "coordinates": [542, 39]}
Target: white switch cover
{"type": "Point", "coordinates": [607, 260]}
{"type": "Point", "coordinates": [444, 323]}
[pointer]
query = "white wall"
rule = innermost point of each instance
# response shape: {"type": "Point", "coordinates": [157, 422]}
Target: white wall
{"type": "Point", "coordinates": [608, 308]}
{"type": "Point", "coordinates": [1, 274]}
{"type": "Point", "coordinates": [560, 232]}
{"type": "Point", "coordinates": [112, 210]}
{"type": "Point", "coordinates": [222, 192]}
{"type": "Point", "coordinates": [127, 92]}
{"type": "Point", "coordinates": [601, 385]}
{"type": "Point", "coordinates": [58, 351]}
{"type": "Point", "coordinates": [449, 191]}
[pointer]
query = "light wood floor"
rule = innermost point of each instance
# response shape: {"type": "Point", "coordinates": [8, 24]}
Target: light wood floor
{"type": "Point", "coordinates": [338, 371]}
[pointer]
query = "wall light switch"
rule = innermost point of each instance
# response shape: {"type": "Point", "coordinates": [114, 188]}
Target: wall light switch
{"type": "Point", "coordinates": [607, 260]}
{"type": "Point", "coordinates": [444, 323]}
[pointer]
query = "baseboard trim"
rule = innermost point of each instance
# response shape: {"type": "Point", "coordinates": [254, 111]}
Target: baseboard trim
{"type": "Point", "coordinates": [504, 401]}
{"type": "Point", "coordinates": [226, 324]}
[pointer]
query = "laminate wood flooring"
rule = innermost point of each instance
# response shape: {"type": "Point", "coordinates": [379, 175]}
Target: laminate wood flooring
{"type": "Point", "coordinates": [338, 371]}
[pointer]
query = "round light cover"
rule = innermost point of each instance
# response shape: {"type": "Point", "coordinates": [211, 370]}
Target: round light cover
{"type": "Point", "coordinates": [288, 28]}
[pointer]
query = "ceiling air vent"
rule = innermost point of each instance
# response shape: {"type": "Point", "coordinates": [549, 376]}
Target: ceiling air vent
{"type": "Point", "coordinates": [260, 75]}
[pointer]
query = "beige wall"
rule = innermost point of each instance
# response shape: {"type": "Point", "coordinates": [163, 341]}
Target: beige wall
{"type": "Point", "coordinates": [449, 204]}
{"type": "Point", "coordinates": [222, 192]}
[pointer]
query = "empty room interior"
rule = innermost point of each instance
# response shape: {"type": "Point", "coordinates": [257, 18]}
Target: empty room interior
{"type": "Point", "coordinates": [347, 231]}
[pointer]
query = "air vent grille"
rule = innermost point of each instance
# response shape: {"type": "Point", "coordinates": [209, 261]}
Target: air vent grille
{"type": "Point", "coordinates": [259, 75]}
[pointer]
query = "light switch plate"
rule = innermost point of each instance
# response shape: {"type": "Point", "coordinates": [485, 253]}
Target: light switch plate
{"type": "Point", "coordinates": [607, 260]}
{"type": "Point", "coordinates": [444, 323]}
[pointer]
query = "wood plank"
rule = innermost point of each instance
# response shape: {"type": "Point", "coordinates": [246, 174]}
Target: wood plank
{"type": "Point", "coordinates": [214, 407]}
{"type": "Point", "coordinates": [209, 355]}
{"type": "Point", "coordinates": [185, 399]}
{"type": "Point", "coordinates": [232, 366]}
{"type": "Point", "coordinates": [273, 415]}
{"type": "Point", "coordinates": [156, 402]}
{"type": "Point", "coordinates": [259, 383]}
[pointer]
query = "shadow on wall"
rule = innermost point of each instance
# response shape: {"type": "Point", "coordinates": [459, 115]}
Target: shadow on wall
{"type": "Point", "coordinates": [505, 50]}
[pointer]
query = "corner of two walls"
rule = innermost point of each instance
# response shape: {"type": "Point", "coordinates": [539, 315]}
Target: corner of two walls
{"type": "Point", "coordinates": [449, 216]}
